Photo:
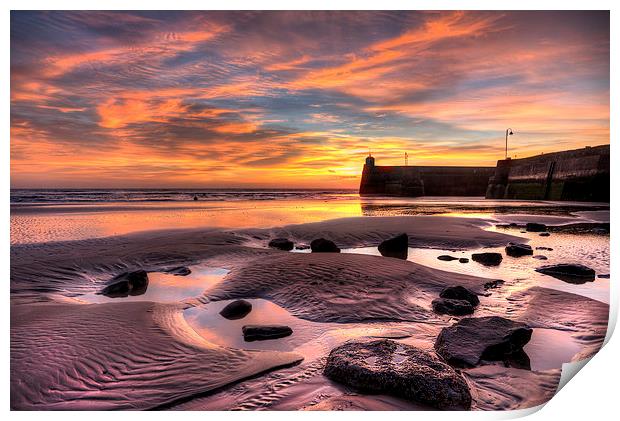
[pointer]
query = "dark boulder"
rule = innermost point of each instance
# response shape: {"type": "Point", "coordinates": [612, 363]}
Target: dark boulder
{"type": "Point", "coordinates": [452, 307]}
{"type": "Point", "coordinates": [179, 271]}
{"type": "Point", "coordinates": [282, 244]}
{"type": "Point", "coordinates": [126, 284]}
{"type": "Point", "coordinates": [535, 227]}
{"type": "Point", "coordinates": [571, 273]}
{"type": "Point", "coordinates": [265, 332]}
{"type": "Point", "coordinates": [321, 245]}
{"type": "Point", "coordinates": [487, 259]}
{"type": "Point", "coordinates": [236, 310]}
{"type": "Point", "coordinates": [397, 247]}
{"type": "Point", "coordinates": [388, 367]}
{"type": "Point", "coordinates": [518, 250]}
{"type": "Point", "coordinates": [447, 258]}
{"type": "Point", "coordinates": [463, 260]}
{"type": "Point", "coordinates": [475, 340]}
{"type": "Point", "coordinates": [460, 293]}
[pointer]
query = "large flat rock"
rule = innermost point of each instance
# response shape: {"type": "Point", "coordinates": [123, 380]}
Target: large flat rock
{"type": "Point", "coordinates": [389, 367]}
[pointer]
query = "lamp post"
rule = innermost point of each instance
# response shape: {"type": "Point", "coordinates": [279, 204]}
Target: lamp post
{"type": "Point", "coordinates": [509, 132]}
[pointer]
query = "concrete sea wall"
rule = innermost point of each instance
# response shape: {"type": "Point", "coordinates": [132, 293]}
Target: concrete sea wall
{"type": "Point", "coordinates": [413, 181]}
{"type": "Point", "coordinates": [580, 174]}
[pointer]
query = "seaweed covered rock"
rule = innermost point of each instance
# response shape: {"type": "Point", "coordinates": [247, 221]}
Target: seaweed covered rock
{"type": "Point", "coordinates": [389, 367]}
{"type": "Point", "coordinates": [126, 284]}
{"type": "Point", "coordinates": [475, 340]}
{"type": "Point", "coordinates": [397, 247]}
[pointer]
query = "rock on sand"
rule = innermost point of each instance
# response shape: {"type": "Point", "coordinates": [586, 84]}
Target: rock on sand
{"type": "Point", "coordinates": [452, 307]}
{"type": "Point", "coordinates": [321, 245]}
{"type": "Point", "coordinates": [397, 247]}
{"type": "Point", "coordinates": [236, 310]}
{"type": "Point", "coordinates": [388, 367]}
{"type": "Point", "coordinates": [487, 259]}
{"type": "Point", "coordinates": [265, 332]}
{"type": "Point", "coordinates": [518, 250]}
{"type": "Point", "coordinates": [571, 273]}
{"type": "Point", "coordinates": [460, 293]}
{"type": "Point", "coordinates": [535, 227]}
{"type": "Point", "coordinates": [126, 284]}
{"type": "Point", "coordinates": [473, 340]}
{"type": "Point", "coordinates": [282, 244]}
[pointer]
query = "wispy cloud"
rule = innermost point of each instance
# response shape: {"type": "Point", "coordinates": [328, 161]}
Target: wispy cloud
{"type": "Point", "coordinates": [295, 98]}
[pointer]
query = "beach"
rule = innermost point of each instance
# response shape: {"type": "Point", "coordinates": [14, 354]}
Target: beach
{"type": "Point", "coordinates": [168, 347]}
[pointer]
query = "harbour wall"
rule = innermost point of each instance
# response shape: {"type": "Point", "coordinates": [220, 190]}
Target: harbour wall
{"type": "Point", "coordinates": [414, 181]}
{"type": "Point", "coordinates": [580, 175]}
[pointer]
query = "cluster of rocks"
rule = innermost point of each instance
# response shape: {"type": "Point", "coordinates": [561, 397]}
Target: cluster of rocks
{"type": "Point", "coordinates": [455, 301]}
{"type": "Point", "coordinates": [320, 245]}
{"type": "Point", "coordinates": [238, 309]}
{"type": "Point", "coordinates": [390, 367]}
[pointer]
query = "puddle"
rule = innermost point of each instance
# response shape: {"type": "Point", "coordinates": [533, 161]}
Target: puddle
{"type": "Point", "coordinates": [519, 272]}
{"type": "Point", "coordinates": [550, 348]}
{"type": "Point", "coordinates": [167, 288]}
{"type": "Point", "coordinates": [207, 321]}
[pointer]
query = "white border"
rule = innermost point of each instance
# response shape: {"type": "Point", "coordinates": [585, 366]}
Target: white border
{"type": "Point", "coordinates": [591, 395]}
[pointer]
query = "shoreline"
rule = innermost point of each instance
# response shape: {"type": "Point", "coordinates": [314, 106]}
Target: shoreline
{"type": "Point", "coordinates": [329, 298]}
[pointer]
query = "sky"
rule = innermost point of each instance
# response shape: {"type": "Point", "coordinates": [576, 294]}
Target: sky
{"type": "Point", "coordinates": [295, 99]}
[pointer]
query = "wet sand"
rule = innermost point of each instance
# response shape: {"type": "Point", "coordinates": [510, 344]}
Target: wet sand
{"type": "Point", "coordinates": [170, 349]}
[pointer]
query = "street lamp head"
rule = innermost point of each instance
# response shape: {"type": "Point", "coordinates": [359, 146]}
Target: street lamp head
{"type": "Point", "coordinates": [510, 133]}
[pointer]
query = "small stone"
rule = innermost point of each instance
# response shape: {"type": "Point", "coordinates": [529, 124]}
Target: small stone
{"type": "Point", "coordinates": [487, 259]}
{"type": "Point", "coordinates": [540, 257]}
{"type": "Point", "coordinates": [544, 234]}
{"type": "Point", "coordinates": [179, 271]}
{"type": "Point", "coordinates": [236, 310]}
{"type": "Point", "coordinates": [397, 247]}
{"type": "Point", "coordinates": [321, 245]}
{"type": "Point", "coordinates": [463, 260]}
{"type": "Point", "coordinates": [265, 332]}
{"type": "Point", "coordinates": [535, 227]}
{"type": "Point", "coordinates": [452, 307]}
{"type": "Point", "coordinates": [518, 250]}
{"type": "Point", "coordinates": [126, 284]}
{"type": "Point", "coordinates": [605, 276]}
{"type": "Point", "coordinates": [544, 248]}
{"type": "Point", "coordinates": [571, 273]}
{"type": "Point", "coordinates": [281, 244]}
{"type": "Point", "coordinates": [460, 293]}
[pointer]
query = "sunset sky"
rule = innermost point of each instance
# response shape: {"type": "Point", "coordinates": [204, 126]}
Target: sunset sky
{"type": "Point", "coordinates": [295, 99]}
